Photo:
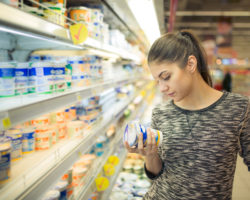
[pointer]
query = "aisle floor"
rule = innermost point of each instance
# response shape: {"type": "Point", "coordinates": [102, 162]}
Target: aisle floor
{"type": "Point", "coordinates": [241, 187]}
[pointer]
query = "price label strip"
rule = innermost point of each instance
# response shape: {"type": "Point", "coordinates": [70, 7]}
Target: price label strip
{"type": "Point", "coordinates": [5, 121]}
{"type": "Point", "coordinates": [109, 169]}
{"type": "Point", "coordinates": [102, 183]}
{"type": "Point", "coordinates": [79, 33]}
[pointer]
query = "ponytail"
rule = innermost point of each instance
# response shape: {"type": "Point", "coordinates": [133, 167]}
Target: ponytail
{"type": "Point", "coordinates": [177, 47]}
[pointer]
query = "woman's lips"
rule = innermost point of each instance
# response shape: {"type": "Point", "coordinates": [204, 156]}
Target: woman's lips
{"type": "Point", "coordinates": [171, 94]}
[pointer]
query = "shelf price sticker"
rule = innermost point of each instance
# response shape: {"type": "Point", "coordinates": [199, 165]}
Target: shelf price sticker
{"type": "Point", "coordinates": [79, 33]}
{"type": "Point", "coordinates": [114, 160]}
{"type": "Point", "coordinates": [5, 121]}
{"type": "Point", "coordinates": [102, 183]}
{"type": "Point", "coordinates": [109, 169]}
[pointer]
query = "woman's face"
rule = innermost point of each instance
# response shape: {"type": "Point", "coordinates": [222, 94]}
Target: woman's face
{"type": "Point", "coordinates": [174, 82]}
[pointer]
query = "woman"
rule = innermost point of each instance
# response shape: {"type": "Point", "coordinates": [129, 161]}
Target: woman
{"type": "Point", "coordinates": [203, 129]}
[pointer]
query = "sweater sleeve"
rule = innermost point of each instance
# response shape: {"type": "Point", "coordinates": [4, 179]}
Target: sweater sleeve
{"type": "Point", "coordinates": [245, 137]}
{"type": "Point", "coordinates": [154, 126]}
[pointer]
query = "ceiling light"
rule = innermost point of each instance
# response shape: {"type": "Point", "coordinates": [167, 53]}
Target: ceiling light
{"type": "Point", "coordinates": [144, 12]}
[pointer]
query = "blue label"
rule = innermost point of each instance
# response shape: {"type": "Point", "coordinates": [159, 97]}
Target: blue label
{"type": "Point", "coordinates": [4, 164]}
{"type": "Point", "coordinates": [80, 62]}
{"type": "Point", "coordinates": [41, 71]}
{"type": "Point", "coordinates": [28, 135]}
{"type": "Point", "coordinates": [7, 72]}
{"type": "Point", "coordinates": [21, 72]}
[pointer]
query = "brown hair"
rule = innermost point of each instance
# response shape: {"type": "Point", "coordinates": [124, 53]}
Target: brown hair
{"type": "Point", "coordinates": [177, 47]}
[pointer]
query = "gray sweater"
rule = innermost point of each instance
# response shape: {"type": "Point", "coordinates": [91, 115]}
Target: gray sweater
{"type": "Point", "coordinates": [200, 148]}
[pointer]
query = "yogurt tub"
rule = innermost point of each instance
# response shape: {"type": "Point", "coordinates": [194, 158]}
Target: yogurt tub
{"type": "Point", "coordinates": [61, 186]}
{"type": "Point", "coordinates": [52, 195]}
{"type": "Point", "coordinates": [61, 130]}
{"type": "Point", "coordinates": [28, 140]}
{"type": "Point", "coordinates": [83, 163]}
{"type": "Point", "coordinates": [75, 128]}
{"type": "Point", "coordinates": [5, 157]}
{"type": "Point", "coordinates": [15, 136]}
{"type": "Point", "coordinates": [43, 140]}
{"type": "Point", "coordinates": [132, 131]}
{"type": "Point", "coordinates": [22, 78]}
{"type": "Point", "coordinates": [80, 14]}
{"type": "Point", "coordinates": [7, 79]}
{"type": "Point", "coordinates": [41, 121]}
{"type": "Point", "coordinates": [78, 174]}
{"type": "Point", "coordinates": [54, 133]}
{"type": "Point", "coordinates": [41, 77]}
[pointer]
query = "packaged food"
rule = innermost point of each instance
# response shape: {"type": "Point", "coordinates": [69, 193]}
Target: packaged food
{"type": "Point", "coordinates": [7, 79]}
{"type": "Point", "coordinates": [15, 136]}
{"type": "Point", "coordinates": [59, 76]}
{"type": "Point", "coordinates": [41, 77]}
{"type": "Point", "coordinates": [54, 133]}
{"type": "Point", "coordinates": [22, 78]}
{"type": "Point", "coordinates": [61, 186]}
{"type": "Point", "coordinates": [5, 157]}
{"type": "Point", "coordinates": [61, 130]}
{"type": "Point", "coordinates": [132, 131]}
{"type": "Point", "coordinates": [52, 195]}
{"type": "Point", "coordinates": [80, 14]}
{"type": "Point", "coordinates": [41, 121]}
{"type": "Point", "coordinates": [28, 140]}
{"type": "Point", "coordinates": [78, 174]}
{"type": "Point", "coordinates": [43, 139]}
{"type": "Point", "coordinates": [73, 112]}
{"type": "Point", "coordinates": [75, 128]}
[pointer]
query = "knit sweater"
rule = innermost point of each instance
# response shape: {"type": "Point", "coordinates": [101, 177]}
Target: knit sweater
{"type": "Point", "coordinates": [199, 149]}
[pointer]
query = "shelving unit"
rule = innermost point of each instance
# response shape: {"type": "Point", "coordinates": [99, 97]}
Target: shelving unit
{"type": "Point", "coordinates": [23, 108]}
{"type": "Point", "coordinates": [23, 33]}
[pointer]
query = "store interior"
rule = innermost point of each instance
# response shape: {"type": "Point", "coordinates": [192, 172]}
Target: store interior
{"type": "Point", "coordinates": [73, 74]}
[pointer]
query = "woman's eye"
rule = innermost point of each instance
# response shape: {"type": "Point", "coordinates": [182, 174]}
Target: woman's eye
{"type": "Point", "coordinates": [166, 78]}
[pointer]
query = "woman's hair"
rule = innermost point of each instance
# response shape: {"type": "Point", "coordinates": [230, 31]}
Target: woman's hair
{"type": "Point", "coordinates": [177, 47]}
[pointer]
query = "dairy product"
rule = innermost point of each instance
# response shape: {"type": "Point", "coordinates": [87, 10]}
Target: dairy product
{"type": "Point", "coordinates": [61, 186]}
{"type": "Point", "coordinates": [5, 156]}
{"type": "Point", "coordinates": [22, 78]}
{"type": "Point", "coordinates": [52, 195]}
{"type": "Point", "coordinates": [16, 143]}
{"type": "Point", "coordinates": [132, 131]}
{"type": "Point", "coordinates": [75, 128]}
{"type": "Point", "coordinates": [7, 79]}
{"type": "Point", "coordinates": [28, 140]}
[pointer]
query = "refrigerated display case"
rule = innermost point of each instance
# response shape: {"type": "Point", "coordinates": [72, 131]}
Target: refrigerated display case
{"type": "Point", "coordinates": [25, 36]}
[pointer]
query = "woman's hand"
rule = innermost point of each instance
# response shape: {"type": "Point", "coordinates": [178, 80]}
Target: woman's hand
{"type": "Point", "coordinates": [150, 150]}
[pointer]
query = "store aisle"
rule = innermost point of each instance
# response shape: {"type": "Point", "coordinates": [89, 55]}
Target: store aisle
{"type": "Point", "coordinates": [241, 187]}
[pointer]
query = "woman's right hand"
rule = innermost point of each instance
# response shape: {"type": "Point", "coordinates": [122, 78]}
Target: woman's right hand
{"type": "Point", "coordinates": [150, 149]}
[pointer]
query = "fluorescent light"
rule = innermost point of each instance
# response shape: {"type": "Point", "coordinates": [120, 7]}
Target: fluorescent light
{"type": "Point", "coordinates": [144, 12]}
{"type": "Point", "coordinates": [40, 37]}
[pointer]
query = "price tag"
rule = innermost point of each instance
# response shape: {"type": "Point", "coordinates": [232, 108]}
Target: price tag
{"type": "Point", "coordinates": [102, 183]}
{"type": "Point", "coordinates": [109, 169]}
{"type": "Point", "coordinates": [79, 33]}
{"type": "Point", "coordinates": [5, 121]}
{"type": "Point", "coordinates": [78, 97]}
{"type": "Point", "coordinates": [114, 160]}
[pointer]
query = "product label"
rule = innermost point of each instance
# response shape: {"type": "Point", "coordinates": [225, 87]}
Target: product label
{"type": "Point", "coordinates": [7, 72]}
{"type": "Point", "coordinates": [4, 165]}
{"type": "Point", "coordinates": [16, 145]}
{"type": "Point", "coordinates": [28, 142]}
{"type": "Point", "coordinates": [7, 86]}
{"type": "Point", "coordinates": [21, 72]}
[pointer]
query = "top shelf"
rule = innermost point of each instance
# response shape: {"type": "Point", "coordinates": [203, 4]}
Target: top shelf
{"type": "Point", "coordinates": [18, 22]}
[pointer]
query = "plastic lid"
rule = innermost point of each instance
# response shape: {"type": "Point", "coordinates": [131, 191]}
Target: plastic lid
{"type": "Point", "coordinates": [4, 144]}
{"type": "Point", "coordinates": [130, 135]}
{"type": "Point", "coordinates": [61, 185]}
{"type": "Point", "coordinates": [51, 195]}
{"type": "Point", "coordinates": [80, 170]}
{"type": "Point", "coordinates": [28, 130]}
{"type": "Point", "coordinates": [13, 132]}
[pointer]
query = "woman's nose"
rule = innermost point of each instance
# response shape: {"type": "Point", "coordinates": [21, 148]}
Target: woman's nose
{"type": "Point", "coordinates": [163, 87]}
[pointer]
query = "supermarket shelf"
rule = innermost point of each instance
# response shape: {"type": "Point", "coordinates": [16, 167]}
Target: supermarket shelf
{"type": "Point", "coordinates": [16, 21]}
{"type": "Point", "coordinates": [23, 108]}
{"type": "Point", "coordinates": [114, 177]}
{"type": "Point", "coordinates": [32, 180]}
{"type": "Point", "coordinates": [87, 190]}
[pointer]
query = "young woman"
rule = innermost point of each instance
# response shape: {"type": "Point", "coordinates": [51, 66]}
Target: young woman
{"type": "Point", "coordinates": [203, 129]}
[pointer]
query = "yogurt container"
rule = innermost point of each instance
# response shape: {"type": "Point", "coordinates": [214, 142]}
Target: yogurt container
{"type": "Point", "coordinates": [22, 78]}
{"type": "Point", "coordinates": [5, 157]}
{"type": "Point", "coordinates": [59, 76]}
{"type": "Point", "coordinates": [132, 131]}
{"type": "Point", "coordinates": [7, 79]}
{"type": "Point", "coordinates": [43, 139]}
{"type": "Point", "coordinates": [78, 174]}
{"type": "Point", "coordinates": [75, 128]}
{"type": "Point", "coordinates": [52, 195]}
{"type": "Point", "coordinates": [61, 186]}
{"type": "Point", "coordinates": [41, 121]}
{"type": "Point", "coordinates": [41, 77]}
{"type": "Point", "coordinates": [28, 140]}
{"type": "Point", "coordinates": [15, 135]}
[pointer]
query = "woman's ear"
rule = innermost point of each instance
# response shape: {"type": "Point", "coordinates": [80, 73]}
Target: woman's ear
{"type": "Point", "coordinates": [191, 64]}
